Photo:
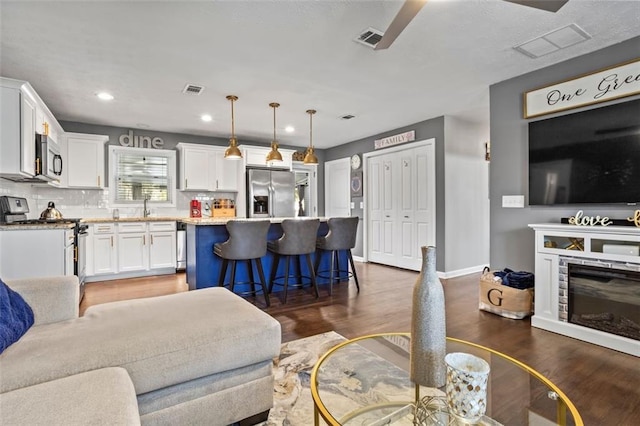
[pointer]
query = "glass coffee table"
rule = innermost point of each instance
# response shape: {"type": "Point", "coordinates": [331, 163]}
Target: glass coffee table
{"type": "Point", "coordinates": [365, 381]}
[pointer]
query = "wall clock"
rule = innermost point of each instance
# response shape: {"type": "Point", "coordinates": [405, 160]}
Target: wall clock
{"type": "Point", "coordinates": [356, 162]}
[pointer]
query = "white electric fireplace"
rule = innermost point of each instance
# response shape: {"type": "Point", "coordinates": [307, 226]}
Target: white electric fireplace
{"type": "Point", "coordinates": [587, 284]}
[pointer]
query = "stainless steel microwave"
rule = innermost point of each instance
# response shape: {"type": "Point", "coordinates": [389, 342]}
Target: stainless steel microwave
{"type": "Point", "coordinates": [48, 159]}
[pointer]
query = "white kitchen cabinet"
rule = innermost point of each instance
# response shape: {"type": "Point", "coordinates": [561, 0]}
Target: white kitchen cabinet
{"type": "Point", "coordinates": [129, 249]}
{"type": "Point", "coordinates": [102, 250]}
{"type": "Point", "coordinates": [224, 176]}
{"type": "Point", "coordinates": [22, 116]}
{"type": "Point", "coordinates": [256, 156]}
{"type": "Point", "coordinates": [194, 167]}
{"type": "Point", "coordinates": [53, 249]}
{"type": "Point", "coordinates": [162, 245]}
{"type": "Point", "coordinates": [17, 132]}
{"type": "Point", "coordinates": [133, 252]}
{"type": "Point", "coordinates": [85, 160]}
{"type": "Point", "coordinates": [204, 168]}
{"type": "Point", "coordinates": [28, 160]}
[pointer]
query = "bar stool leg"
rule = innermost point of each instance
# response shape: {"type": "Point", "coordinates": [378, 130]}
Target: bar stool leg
{"type": "Point", "coordinates": [312, 274]}
{"type": "Point", "coordinates": [337, 269]}
{"type": "Point", "coordinates": [263, 282]}
{"type": "Point", "coordinates": [223, 272]}
{"type": "Point", "coordinates": [233, 275]}
{"type": "Point", "coordinates": [274, 270]}
{"type": "Point", "coordinates": [251, 277]}
{"type": "Point", "coordinates": [318, 256]}
{"type": "Point", "coordinates": [331, 273]}
{"type": "Point", "coordinates": [286, 277]}
{"type": "Point", "coordinates": [299, 264]}
{"type": "Point", "coordinates": [353, 268]}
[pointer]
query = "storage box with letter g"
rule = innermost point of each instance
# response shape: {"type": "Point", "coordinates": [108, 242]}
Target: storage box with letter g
{"type": "Point", "coordinates": [505, 296]}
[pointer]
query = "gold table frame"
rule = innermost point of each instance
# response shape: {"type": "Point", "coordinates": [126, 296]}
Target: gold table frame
{"type": "Point", "coordinates": [320, 410]}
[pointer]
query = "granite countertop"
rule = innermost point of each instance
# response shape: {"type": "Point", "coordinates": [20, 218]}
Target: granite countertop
{"type": "Point", "coordinates": [224, 220]}
{"type": "Point", "coordinates": [90, 220]}
{"type": "Point", "coordinates": [33, 226]}
{"type": "Point", "coordinates": [187, 220]}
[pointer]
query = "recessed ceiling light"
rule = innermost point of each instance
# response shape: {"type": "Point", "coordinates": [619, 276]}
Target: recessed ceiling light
{"type": "Point", "coordinates": [289, 129]}
{"type": "Point", "coordinates": [206, 117]}
{"type": "Point", "coordinates": [142, 125]}
{"type": "Point", "coordinates": [105, 96]}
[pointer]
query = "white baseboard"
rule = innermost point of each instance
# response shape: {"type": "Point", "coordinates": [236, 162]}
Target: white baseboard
{"type": "Point", "coordinates": [134, 274]}
{"type": "Point", "coordinates": [358, 259]}
{"type": "Point", "coordinates": [461, 272]}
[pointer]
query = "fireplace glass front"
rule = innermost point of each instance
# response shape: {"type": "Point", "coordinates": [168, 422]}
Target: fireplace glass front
{"type": "Point", "coordinates": [605, 299]}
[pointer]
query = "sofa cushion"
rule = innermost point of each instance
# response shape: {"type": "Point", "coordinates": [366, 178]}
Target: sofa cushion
{"type": "Point", "coordinates": [160, 341]}
{"type": "Point", "coordinates": [99, 397]}
{"type": "Point", "coordinates": [15, 316]}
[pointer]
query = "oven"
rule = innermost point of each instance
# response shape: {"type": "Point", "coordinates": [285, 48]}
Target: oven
{"type": "Point", "coordinates": [80, 254]}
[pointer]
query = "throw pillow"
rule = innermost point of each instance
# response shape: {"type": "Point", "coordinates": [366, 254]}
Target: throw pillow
{"type": "Point", "coordinates": [16, 316]}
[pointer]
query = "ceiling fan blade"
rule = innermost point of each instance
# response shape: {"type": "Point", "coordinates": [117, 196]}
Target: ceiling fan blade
{"type": "Point", "coordinates": [407, 12]}
{"type": "Point", "coordinates": [548, 5]}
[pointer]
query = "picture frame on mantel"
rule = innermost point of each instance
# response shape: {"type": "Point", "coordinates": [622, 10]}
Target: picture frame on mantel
{"type": "Point", "coordinates": [610, 83]}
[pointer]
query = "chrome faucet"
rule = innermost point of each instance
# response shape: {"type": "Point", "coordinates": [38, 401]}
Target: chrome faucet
{"type": "Point", "coordinates": [145, 212]}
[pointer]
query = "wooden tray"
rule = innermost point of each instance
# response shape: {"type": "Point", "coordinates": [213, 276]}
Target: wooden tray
{"type": "Point", "coordinates": [223, 212]}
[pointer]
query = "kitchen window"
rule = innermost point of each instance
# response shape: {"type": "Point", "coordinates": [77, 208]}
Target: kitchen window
{"type": "Point", "coordinates": [139, 173]}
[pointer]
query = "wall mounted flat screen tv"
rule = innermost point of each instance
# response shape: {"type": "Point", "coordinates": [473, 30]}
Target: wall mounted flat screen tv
{"type": "Point", "coordinates": [588, 157]}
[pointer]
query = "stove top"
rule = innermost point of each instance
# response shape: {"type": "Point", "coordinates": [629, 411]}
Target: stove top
{"type": "Point", "coordinates": [64, 220]}
{"type": "Point", "coordinates": [42, 221]}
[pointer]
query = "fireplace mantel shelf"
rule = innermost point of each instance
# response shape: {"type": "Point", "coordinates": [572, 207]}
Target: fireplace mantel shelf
{"type": "Point", "coordinates": [555, 245]}
{"type": "Point", "coordinates": [624, 230]}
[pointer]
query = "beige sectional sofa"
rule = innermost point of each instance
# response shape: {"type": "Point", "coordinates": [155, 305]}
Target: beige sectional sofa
{"type": "Point", "coordinates": [200, 357]}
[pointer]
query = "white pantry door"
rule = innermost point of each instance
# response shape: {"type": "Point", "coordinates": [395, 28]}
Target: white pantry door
{"type": "Point", "coordinates": [337, 195]}
{"type": "Point", "coordinates": [400, 204]}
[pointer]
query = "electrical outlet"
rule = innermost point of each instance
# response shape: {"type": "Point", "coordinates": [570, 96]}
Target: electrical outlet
{"type": "Point", "coordinates": [513, 201]}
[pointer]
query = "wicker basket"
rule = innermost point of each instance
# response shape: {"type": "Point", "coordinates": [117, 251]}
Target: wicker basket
{"type": "Point", "coordinates": [503, 300]}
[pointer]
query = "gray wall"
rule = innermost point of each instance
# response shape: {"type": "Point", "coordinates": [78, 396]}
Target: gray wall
{"type": "Point", "coordinates": [466, 195]}
{"type": "Point", "coordinates": [432, 128]}
{"type": "Point", "coordinates": [512, 242]}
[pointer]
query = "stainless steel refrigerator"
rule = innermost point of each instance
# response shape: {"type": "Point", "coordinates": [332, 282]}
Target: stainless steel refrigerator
{"type": "Point", "coordinates": [270, 193]}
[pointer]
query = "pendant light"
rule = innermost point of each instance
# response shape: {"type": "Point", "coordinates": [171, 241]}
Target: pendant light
{"type": "Point", "coordinates": [274, 154]}
{"type": "Point", "coordinates": [232, 152]}
{"type": "Point", "coordinates": [310, 156]}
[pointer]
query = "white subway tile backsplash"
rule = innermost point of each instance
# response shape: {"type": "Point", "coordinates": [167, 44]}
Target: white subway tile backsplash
{"type": "Point", "coordinates": [89, 203]}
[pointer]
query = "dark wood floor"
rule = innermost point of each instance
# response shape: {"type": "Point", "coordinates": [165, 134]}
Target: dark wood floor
{"type": "Point", "coordinates": [602, 383]}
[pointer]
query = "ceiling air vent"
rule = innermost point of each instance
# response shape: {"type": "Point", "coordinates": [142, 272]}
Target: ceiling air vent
{"type": "Point", "coordinates": [553, 41]}
{"type": "Point", "coordinates": [369, 37]}
{"type": "Point", "coordinates": [192, 89]}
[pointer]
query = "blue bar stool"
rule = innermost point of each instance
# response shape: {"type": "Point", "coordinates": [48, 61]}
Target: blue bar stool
{"type": "Point", "coordinates": [298, 239]}
{"type": "Point", "coordinates": [341, 236]}
{"type": "Point", "coordinates": [247, 242]}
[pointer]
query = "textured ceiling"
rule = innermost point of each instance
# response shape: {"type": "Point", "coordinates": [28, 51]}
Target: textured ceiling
{"type": "Point", "coordinates": [298, 53]}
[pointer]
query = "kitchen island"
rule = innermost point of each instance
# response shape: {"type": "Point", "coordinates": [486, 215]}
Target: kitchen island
{"type": "Point", "coordinates": [203, 267]}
